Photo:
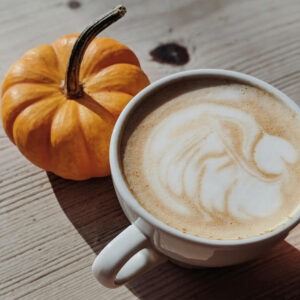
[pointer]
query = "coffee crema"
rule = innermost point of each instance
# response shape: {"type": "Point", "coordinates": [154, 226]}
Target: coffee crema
{"type": "Point", "coordinates": [214, 159]}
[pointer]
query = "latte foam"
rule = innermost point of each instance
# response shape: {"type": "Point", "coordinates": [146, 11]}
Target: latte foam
{"type": "Point", "coordinates": [216, 160]}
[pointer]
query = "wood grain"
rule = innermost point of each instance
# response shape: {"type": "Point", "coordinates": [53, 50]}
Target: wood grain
{"type": "Point", "coordinates": [51, 229]}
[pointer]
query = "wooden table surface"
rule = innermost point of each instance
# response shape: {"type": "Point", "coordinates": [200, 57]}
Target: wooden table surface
{"type": "Point", "coordinates": [52, 229]}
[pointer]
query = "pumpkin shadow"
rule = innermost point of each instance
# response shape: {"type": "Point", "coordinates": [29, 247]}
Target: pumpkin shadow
{"type": "Point", "coordinates": [92, 207]}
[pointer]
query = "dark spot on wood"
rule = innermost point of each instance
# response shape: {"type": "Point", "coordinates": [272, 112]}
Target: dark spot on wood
{"type": "Point", "coordinates": [170, 30]}
{"type": "Point", "coordinates": [74, 4]}
{"type": "Point", "coordinates": [170, 53]}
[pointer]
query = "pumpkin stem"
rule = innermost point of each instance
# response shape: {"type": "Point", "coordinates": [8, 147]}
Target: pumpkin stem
{"type": "Point", "coordinates": [72, 86]}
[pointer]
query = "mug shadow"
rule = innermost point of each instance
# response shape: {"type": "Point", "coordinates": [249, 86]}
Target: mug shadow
{"type": "Point", "coordinates": [275, 276]}
{"type": "Point", "coordinates": [93, 209]}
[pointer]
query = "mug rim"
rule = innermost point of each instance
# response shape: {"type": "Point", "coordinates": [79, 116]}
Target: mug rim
{"type": "Point", "coordinates": [115, 161]}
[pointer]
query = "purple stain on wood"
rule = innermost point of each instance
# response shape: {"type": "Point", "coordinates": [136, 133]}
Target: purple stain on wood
{"type": "Point", "coordinates": [170, 53]}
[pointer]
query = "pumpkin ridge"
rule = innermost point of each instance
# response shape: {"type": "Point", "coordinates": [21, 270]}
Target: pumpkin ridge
{"type": "Point", "coordinates": [6, 87]}
{"type": "Point", "coordinates": [48, 133]}
{"type": "Point", "coordinates": [138, 79]}
{"type": "Point", "coordinates": [63, 51]}
{"type": "Point", "coordinates": [98, 67]}
{"type": "Point", "coordinates": [65, 119]}
{"type": "Point", "coordinates": [97, 156]}
{"type": "Point", "coordinates": [111, 106]}
{"type": "Point", "coordinates": [41, 148]}
{"type": "Point", "coordinates": [33, 67]}
{"type": "Point", "coordinates": [86, 78]}
{"type": "Point", "coordinates": [50, 147]}
{"type": "Point", "coordinates": [97, 108]}
{"type": "Point", "coordinates": [85, 142]}
{"type": "Point", "coordinates": [8, 124]}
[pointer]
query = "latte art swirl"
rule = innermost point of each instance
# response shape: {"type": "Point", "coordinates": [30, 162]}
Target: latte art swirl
{"type": "Point", "coordinates": [219, 160]}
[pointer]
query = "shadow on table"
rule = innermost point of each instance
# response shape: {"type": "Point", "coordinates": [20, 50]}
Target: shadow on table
{"type": "Point", "coordinates": [93, 209]}
{"type": "Point", "coordinates": [275, 276]}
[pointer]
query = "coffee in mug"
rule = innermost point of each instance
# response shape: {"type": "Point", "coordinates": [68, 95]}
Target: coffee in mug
{"type": "Point", "coordinates": [214, 158]}
{"type": "Point", "coordinates": [205, 165]}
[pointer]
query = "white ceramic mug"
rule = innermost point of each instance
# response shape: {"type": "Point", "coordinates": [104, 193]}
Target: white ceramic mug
{"type": "Point", "coordinates": [148, 242]}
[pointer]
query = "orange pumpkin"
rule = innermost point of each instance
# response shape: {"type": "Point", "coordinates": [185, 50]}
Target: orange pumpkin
{"type": "Point", "coordinates": [59, 107]}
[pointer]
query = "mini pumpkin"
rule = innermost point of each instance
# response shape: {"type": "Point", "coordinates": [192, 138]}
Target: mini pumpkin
{"type": "Point", "coordinates": [59, 106]}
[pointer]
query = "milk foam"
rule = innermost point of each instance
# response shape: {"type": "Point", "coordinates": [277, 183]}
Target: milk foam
{"type": "Point", "coordinates": [205, 159]}
{"type": "Point", "coordinates": [206, 166]}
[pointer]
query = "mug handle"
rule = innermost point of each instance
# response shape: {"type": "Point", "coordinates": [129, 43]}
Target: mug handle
{"type": "Point", "coordinates": [125, 257]}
